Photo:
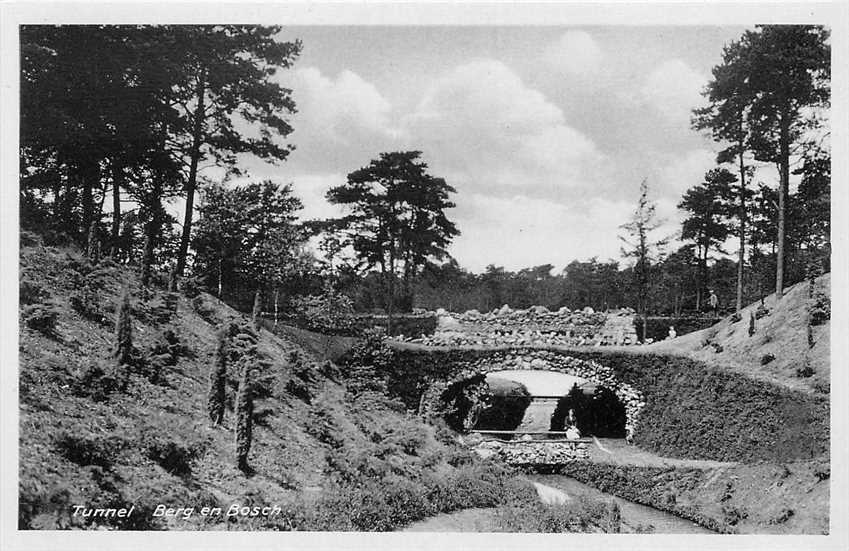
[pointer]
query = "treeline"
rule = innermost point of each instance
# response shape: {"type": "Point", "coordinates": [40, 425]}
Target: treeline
{"type": "Point", "coordinates": [119, 121]}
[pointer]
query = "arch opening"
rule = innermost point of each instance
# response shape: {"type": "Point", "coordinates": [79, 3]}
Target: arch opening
{"type": "Point", "coordinates": [598, 412]}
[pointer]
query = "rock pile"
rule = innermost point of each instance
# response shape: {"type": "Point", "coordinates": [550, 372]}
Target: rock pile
{"type": "Point", "coordinates": [519, 452]}
{"type": "Point", "coordinates": [536, 326]}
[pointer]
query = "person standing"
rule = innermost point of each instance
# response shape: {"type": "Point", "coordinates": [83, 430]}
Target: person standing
{"type": "Point", "coordinates": [713, 302]}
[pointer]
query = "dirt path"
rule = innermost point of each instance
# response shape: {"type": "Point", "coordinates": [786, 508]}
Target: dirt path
{"type": "Point", "coordinates": [618, 452]}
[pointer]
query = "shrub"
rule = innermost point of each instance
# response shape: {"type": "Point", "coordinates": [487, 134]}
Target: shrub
{"type": "Point", "coordinates": [299, 390]}
{"type": "Point", "coordinates": [820, 308]}
{"type": "Point", "coordinates": [204, 310]}
{"type": "Point", "coordinates": [96, 381]}
{"type": "Point", "coordinates": [41, 317]}
{"type": "Point", "coordinates": [124, 330]}
{"type": "Point", "coordinates": [244, 418]}
{"type": "Point", "coordinates": [256, 312]}
{"type": "Point", "coordinates": [330, 312]}
{"type": "Point", "coordinates": [88, 451]}
{"type": "Point", "coordinates": [783, 516]}
{"type": "Point", "coordinates": [87, 304]}
{"type": "Point", "coordinates": [767, 358]}
{"type": "Point", "coordinates": [31, 291]}
{"type": "Point", "coordinates": [580, 515]}
{"type": "Point", "coordinates": [191, 287]}
{"type": "Point", "coordinates": [217, 379]}
{"type": "Point", "coordinates": [172, 456]}
{"type": "Point", "coordinates": [805, 371]}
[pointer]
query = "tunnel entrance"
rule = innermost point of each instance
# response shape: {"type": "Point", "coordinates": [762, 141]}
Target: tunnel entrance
{"type": "Point", "coordinates": [605, 405]}
{"type": "Point", "coordinates": [595, 412]}
{"type": "Point", "coordinates": [533, 402]}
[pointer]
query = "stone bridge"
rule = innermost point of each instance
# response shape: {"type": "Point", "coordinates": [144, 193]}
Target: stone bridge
{"type": "Point", "coordinates": [483, 363]}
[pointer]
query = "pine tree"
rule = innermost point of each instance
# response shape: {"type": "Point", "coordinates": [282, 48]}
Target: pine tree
{"type": "Point", "coordinates": [244, 417]}
{"type": "Point", "coordinates": [640, 245]}
{"type": "Point", "coordinates": [218, 379]}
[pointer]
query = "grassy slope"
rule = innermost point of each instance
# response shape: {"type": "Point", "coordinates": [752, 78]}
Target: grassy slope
{"type": "Point", "coordinates": [125, 422]}
{"type": "Point", "coordinates": [152, 444]}
{"type": "Point", "coordinates": [782, 333]}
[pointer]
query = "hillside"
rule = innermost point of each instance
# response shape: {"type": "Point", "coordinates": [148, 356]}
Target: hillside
{"type": "Point", "coordinates": [778, 350]}
{"type": "Point", "coordinates": [333, 453]}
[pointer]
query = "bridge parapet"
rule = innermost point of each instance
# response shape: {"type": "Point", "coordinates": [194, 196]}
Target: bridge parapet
{"type": "Point", "coordinates": [533, 452]}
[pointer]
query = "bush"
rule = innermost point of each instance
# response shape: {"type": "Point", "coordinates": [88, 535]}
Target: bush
{"type": "Point", "coordinates": [88, 451]}
{"type": "Point", "coordinates": [244, 416]}
{"type": "Point", "coordinates": [172, 456]}
{"type": "Point", "coordinates": [820, 308]}
{"type": "Point", "coordinates": [205, 310]}
{"type": "Point", "coordinates": [31, 292]}
{"type": "Point", "coordinates": [97, 381]}
{"type": "Point", "coordinates": [330, 312]}
{"type": "Point", "coordinates": [191, 286]}
{"type": "Point", "coordinates": [580, 515]}
{"type": "Point", "coordinates": [41, 317]}
{"type": "Point", "coordinates": [218, 378]}
{"type": "Point", "coordinates": [767, 358]}
{"type": "Point", "coordinates": [87, 304]}
{"type": "Point", "coordinates": [805, 371]}
{"type": "Point", "coordinates": [124, 331]}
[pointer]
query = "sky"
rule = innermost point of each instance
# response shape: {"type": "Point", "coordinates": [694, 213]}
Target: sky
{"type": "Point", "coordinates": [545, 132]}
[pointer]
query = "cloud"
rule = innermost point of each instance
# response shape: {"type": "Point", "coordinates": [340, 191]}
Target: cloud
{"type": "Point", "coordinates": [518, 231]}
{"type": "Point", "coordinates": [575, 53]}
{"type": "Point", "coordinates": [483, 124]}
{"type": "Point", "coordinates": [681, 172]}
{"type": "Point", "coordinates": [673, 89]}
{"type": "Point", "coordinates": [340, 120]}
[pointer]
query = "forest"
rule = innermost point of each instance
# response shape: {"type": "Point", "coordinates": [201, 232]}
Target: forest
{"type": "Point", "coordinates": [120, 124]}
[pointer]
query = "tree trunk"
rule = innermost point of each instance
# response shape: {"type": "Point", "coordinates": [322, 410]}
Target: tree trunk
{"type": "Point", "coordinates": [390, 309]}
{"type": "Point", "coordinates": [741, 257]}
{"type": "Point", "coordinates": [89, 175]}
{"type": "Point", "coordinates": [784, 184]}
{"type": "Point", "coordinates": [151, 230]}
{"type": "Point", "coordinates": [117, 182]}
{"type": "Point", "coordinates": [256, 314]}
{"type": "Point", "coordinates": [220, 276]}
{"type": "Point", "coordinates": [276, 306]}
{"type": "Point", "coordinates": [191, 183]}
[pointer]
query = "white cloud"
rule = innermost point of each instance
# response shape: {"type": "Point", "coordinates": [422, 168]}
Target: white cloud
{"type": "Point", "coordinates": [681, 172]}
{"type": "Point", "coordinates": [481, 122]}
{"type": "Point", "coordinates": [674, 89]}
{"type": "Point", "coordinates": [575, 53]}
{"type": "Point", "coordinates": [340, 120]}
{"type": "Point", "coordinates": [519, 231]}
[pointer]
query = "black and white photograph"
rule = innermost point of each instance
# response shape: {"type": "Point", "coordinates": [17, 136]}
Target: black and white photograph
{"type": "Point", "coordinates": [462, 276]}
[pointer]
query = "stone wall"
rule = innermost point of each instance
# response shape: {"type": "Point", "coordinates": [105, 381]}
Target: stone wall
{"type": "Point", "coordinates": [535, 326]}
{"type": "Point", "coordinates": [534, 452]}
{"type": "Point", "coordinates": [544, 360]}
